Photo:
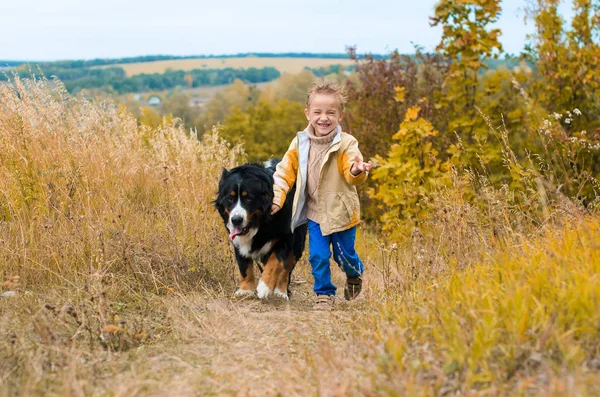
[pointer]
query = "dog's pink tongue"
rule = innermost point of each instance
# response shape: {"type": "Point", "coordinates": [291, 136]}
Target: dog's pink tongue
{"type": "Point", "coordinates": [234, 232]}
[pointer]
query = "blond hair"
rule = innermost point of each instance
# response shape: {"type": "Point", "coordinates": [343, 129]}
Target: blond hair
{"type": "Point", "coordinates": [327, 88]}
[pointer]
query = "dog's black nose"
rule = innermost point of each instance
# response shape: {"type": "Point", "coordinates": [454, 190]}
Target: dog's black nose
{"type": "Point", "coordinates": [237, 220]}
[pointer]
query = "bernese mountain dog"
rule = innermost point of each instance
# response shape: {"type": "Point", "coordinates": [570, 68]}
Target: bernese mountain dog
{"type": "Point", "coordinates": [244, 202]}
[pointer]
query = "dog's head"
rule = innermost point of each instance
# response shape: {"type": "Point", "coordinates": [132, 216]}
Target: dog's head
{"type": "Point", "coordinates": [244, 198]}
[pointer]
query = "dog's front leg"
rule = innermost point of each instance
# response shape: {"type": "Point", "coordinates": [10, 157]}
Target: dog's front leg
{"type": "Point", "coordinates": [268, 281]}
{"type": "Point", "coordinates": [248, 282]}
{"type": "Point", "coordinates": [283, 281]}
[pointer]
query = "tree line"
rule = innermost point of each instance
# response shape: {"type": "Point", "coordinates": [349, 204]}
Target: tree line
{"type": "Point", "coordinates": [88, 63]}
{"type": "Point", "coordinates": [114, 79]}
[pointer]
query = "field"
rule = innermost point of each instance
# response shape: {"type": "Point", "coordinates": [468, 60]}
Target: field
{"type": "Point", "coordinates": [284, 65]}
{"type": "Point", "coordinates": [209, 92]}
{"type": "Point", "coordinates": [117, 279]}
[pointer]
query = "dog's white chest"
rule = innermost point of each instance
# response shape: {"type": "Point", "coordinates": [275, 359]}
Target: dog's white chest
{"type": "Point", "coordinates": [244, 246]}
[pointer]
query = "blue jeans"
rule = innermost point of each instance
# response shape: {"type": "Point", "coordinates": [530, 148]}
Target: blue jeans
{"type": "Point", "coordinates": [343, 254]}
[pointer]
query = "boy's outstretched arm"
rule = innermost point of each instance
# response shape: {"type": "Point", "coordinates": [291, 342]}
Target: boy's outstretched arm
{"type": "Point", "coordinates": [285, 176]}
{"type": "Point", "coordinates": [352, 166]}
{"type": "Point", "coordinates": [359, 166]}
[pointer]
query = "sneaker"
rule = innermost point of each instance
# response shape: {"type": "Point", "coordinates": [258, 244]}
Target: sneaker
{"type": "Point", "coordinates": [324, 302]}
{"type": "Point", "coordinates": [352, 288]}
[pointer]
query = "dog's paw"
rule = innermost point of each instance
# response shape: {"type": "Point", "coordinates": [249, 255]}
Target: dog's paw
{"type": "Point", "coordinates": [241, 293]}
{"type": "Point", "coordinates": [263, 291]}
{"type": "Point", "coordinates": [280, 294]}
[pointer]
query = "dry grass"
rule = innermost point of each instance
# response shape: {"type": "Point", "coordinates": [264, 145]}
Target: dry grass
{"type": "Point", "coordinates": [122, 279]}
{"type": "Point", "coordinates": [284, 65]}
{"type": "Point", "coordinates": [86, 191]}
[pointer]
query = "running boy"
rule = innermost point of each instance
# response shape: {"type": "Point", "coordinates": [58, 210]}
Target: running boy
{"type": "Point", "coordinates": [326, 165]}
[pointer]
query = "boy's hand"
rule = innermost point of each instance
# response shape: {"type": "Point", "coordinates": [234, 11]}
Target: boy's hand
{"type": "Point", "coordinates": [360, 166]}
{"type": "Point", "coordinates": [274, 208]}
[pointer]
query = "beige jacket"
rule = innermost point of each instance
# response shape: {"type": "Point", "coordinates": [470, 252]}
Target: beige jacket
{"type": "Point", "coordinates": [338, 204]}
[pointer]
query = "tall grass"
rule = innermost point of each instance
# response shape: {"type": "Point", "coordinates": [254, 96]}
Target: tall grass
{"type": "Point", "coordinates": [85, 190]}
{"type": "Point", "coordinates": [524, 321]}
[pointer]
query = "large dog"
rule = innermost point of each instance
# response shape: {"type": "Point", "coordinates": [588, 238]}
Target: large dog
{"type": "Point", "coordinates": [244, 202]}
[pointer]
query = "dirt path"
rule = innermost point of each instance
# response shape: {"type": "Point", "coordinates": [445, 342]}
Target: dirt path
{"type": "Point", "coordinates": [250, 348]}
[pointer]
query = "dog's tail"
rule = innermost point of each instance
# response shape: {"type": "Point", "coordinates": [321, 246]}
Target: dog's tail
{"type": "Point", "coordinates": [271, 163]}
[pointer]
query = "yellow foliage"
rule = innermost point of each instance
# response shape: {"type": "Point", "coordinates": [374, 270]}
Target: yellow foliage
{"type": "Point", "coordinates": [400, 94]}
{"type": "Point", "coordinates": [536, 304]}
{"type": "Point", "coordinates": [406, 176]}
{"type": "Point", "coordinates": [412, 113]}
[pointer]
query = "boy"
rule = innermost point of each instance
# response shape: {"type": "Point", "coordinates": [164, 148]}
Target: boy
{"type": "Point", "coordinates": [326, 165]}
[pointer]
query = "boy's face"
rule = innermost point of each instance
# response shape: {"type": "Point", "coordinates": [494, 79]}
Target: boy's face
{"type": "Point", "coordinates": [324, 114]}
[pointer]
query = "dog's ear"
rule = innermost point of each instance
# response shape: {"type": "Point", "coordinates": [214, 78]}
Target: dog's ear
{"type": "Point", "coordinates": [224, 175]}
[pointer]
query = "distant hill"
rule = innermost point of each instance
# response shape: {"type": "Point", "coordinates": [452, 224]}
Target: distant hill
{"type": "Point", "coordinates": [164, 72]}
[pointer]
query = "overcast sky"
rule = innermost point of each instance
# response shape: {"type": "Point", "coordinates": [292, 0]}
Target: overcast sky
{"type": "Point", "coordinates": [76, 29]}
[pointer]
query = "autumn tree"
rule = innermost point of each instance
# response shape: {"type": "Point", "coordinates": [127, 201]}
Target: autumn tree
{"type": "Point", "coordinates": [405, 177]}
{"type": "Point", "coordinates": [379, 93]}
{"type": "Point", "coordinates": [265, 129]}
{"type": "Point", "coordinates": [467, 41]}
{"type": "Point", "coordinates": [177, 104]}
{"type": "Point", "coordinates": [220, 106]}
{"type": "Point", "coordinates": [374, 110]}
{"type": "Point", "coordinates": [567, 60]}
{"type": "Point", "coordinates": [567, 85]}
{"type": "Point", "coordinates": [505, 108]}
{"type": "Point", "coordinates": [151, 118]}
{"type": "Point", "coordinates": [293, 86]}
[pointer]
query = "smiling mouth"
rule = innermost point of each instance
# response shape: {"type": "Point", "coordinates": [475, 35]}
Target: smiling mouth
{"type": "Point", "coordinates": [238, 231]}
{"type": "Point", "coordinates": [322, 125]}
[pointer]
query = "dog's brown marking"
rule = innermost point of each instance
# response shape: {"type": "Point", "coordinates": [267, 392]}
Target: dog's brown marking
{"type": "Point", "coordinates": [283, 281]}
{"type": "Point", "coordinates": [248, 283]}
{"type": "Point", "coordinates": [258, 212]}
{"type": "Point", "coordinates": [232, 193]}
{"type": "Point", "coordinates": [244, 193]}
{"type": "Point", "coordinates": [271, 273]}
